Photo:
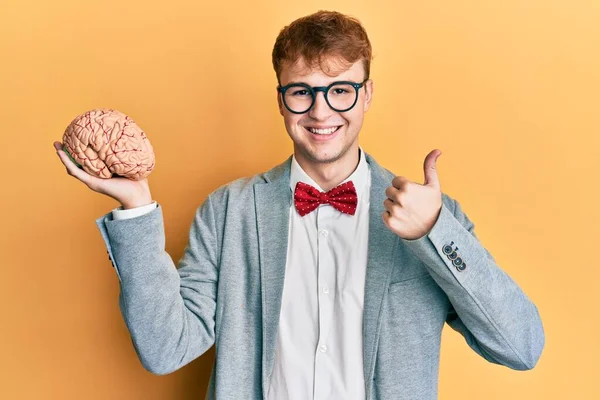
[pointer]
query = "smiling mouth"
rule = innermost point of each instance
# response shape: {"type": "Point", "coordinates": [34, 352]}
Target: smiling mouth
{"type": "Point", "coordinates": [323, 131]}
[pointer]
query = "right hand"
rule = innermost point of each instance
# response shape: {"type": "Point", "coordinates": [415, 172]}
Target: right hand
{"type": "Point", "coordinates": [128, 192]}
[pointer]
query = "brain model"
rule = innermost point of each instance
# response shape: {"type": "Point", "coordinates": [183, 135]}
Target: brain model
{"type": "Point", "coordinates": [106, 142]}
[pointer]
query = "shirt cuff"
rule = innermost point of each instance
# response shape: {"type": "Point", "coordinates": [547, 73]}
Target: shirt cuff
{"type": "Point", "coordinates": [119, 213]}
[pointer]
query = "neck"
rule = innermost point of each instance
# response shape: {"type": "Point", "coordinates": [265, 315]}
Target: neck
{"type": "Point", "coordinates": [331, 174]}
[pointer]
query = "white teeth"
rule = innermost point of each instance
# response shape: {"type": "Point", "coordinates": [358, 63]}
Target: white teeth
{"type": "Point", "coordinates": [327, 131]}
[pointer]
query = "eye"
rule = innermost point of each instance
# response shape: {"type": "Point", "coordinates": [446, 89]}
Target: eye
{"type": "Point", "coordinates": [300, 92]}
{"type": "Point", "coordinates": [340, 91]}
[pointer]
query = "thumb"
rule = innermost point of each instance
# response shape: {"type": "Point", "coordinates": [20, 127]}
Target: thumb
{"type": "Point", "coordinates": [429, 167]}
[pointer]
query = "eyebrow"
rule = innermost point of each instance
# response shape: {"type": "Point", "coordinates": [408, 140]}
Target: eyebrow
{"type": "Point", "coordinates": [295, 83]}
{"type": "Point", "coordinates": [305, 83]}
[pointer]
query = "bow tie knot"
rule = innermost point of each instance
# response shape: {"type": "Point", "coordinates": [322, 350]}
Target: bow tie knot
{"type": "Point", "coordinates": [343, 198]}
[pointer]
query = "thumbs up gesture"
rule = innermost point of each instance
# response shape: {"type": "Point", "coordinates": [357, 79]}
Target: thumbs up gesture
{"type": "Point", "coordinates": [411, 209]}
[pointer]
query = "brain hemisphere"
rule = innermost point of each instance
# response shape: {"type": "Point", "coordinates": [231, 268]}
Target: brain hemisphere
{"type": "Point", "coordinates": [106, 142]}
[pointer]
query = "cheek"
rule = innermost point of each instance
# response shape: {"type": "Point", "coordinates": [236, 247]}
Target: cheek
{"type": "Point", "coordinates": [354, 118]}
{"type": "Point", "coordinates": [291, 120]}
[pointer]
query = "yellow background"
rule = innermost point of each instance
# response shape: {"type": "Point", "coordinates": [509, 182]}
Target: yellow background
{"type": "Point", "coordinates": [507, 89]}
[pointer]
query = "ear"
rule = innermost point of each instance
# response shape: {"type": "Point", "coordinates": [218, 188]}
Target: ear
{"type": "Point", "coordinates": [368, 94]}
{"type": "Point", "coordinates": [280, 103]}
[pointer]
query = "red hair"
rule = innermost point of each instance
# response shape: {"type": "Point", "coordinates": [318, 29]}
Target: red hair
{"type": "Point", "coordinates": [321, 35]}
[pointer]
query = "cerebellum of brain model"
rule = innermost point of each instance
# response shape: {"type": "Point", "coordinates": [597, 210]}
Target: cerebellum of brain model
{"type": "Point", "coordinates": [107, 143]}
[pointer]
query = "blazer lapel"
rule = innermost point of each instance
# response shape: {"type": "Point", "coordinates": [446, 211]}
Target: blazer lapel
{"type": "Point", "coordinates": [382, 248]}
{"type": "Point", "coordinates": [272, 200]}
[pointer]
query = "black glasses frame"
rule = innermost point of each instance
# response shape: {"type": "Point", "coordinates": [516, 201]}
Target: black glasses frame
{"type": "Point", "coordinates": [325, 89]}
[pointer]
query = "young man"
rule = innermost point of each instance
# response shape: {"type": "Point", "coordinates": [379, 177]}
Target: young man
{"type": "Point", "coordinates": [326, 277]}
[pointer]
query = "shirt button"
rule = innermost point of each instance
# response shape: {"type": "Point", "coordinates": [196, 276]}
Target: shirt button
{"type": "Point", "coordinates": [324, 233]}
{"type": "Point", "coordinates": [325, 289]}
{"type": "Point", "coordinates": [323, 348]}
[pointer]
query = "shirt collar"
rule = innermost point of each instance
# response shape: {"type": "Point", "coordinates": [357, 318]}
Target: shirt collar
{"type": "Point", "coordinates": [360, 176]}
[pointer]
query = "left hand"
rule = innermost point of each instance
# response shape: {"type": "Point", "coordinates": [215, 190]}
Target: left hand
{"type": "Point", "coordinates": [411, 208]}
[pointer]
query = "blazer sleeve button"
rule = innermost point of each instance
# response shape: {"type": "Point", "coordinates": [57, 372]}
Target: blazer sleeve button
{"type": "Point", "coordinates": [447, 249]}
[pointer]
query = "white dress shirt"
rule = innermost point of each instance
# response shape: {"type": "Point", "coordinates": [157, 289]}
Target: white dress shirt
{"type": "Point", "coordinates": [319, 349]}
{"type": "Point", "coordinates": [319, 346]}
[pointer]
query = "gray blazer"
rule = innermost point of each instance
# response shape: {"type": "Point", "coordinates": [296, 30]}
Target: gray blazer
{"type": "Point", "coordinates": [227, 291]}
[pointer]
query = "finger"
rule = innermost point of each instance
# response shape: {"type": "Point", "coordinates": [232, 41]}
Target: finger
{"type": "Point", "coordinates": [386, 219]}
{"type": "Point", "coordinates": [400, 182]}
{"type": "Point", "coordinates": [429, 167]}
{"type": "Point", "coordinates": [388, 205]}
{"type": "Point", "coordinates": [393, 209]}
{"type": "Point", "coordinates": [392, 193]}
{"type": "Point", "coordinates": [72, 168]}
{"type": "Point", "coordinates": [390, 221]}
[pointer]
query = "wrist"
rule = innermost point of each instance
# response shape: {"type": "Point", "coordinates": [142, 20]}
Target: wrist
{"type": "Point", "coordinates": [135, 203]}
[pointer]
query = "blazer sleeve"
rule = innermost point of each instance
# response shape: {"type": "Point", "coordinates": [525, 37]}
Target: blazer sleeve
{"type": "Point", "coordinates": [169, 310]}
{"type": "Point", "coordinates": [488, 308]}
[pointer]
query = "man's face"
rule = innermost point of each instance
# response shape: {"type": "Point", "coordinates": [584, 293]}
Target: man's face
{"type": "Point", "coordinates": [322, 135]}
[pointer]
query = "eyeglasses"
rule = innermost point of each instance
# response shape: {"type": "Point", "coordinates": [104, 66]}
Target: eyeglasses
{"type": "Point", "coordinates": [341, 96]}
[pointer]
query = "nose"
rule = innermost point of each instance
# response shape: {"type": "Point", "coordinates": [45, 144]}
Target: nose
{"type": "Point", "coordinates": [320, 110]}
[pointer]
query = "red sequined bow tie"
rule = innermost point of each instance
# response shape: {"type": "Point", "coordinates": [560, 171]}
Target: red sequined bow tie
{"type": "Point", "coordinates": [343, 198]}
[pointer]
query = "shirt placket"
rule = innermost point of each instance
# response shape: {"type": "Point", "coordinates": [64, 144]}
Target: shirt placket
{"type": "Point", "coordinates": [326, 291]}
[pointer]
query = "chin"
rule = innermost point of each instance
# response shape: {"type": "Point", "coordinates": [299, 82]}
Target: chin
{"type": "Point", "coordinates": [324, 157]}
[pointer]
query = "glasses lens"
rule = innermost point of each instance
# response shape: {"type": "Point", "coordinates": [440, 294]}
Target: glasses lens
{"type": "Point", "coordinates": [342, 96]}
{"type": "Point", "coordinates": [298, 98]}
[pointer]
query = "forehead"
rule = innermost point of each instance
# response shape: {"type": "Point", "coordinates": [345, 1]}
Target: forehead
{"type": "Point", "coordinates": [331, 69]}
